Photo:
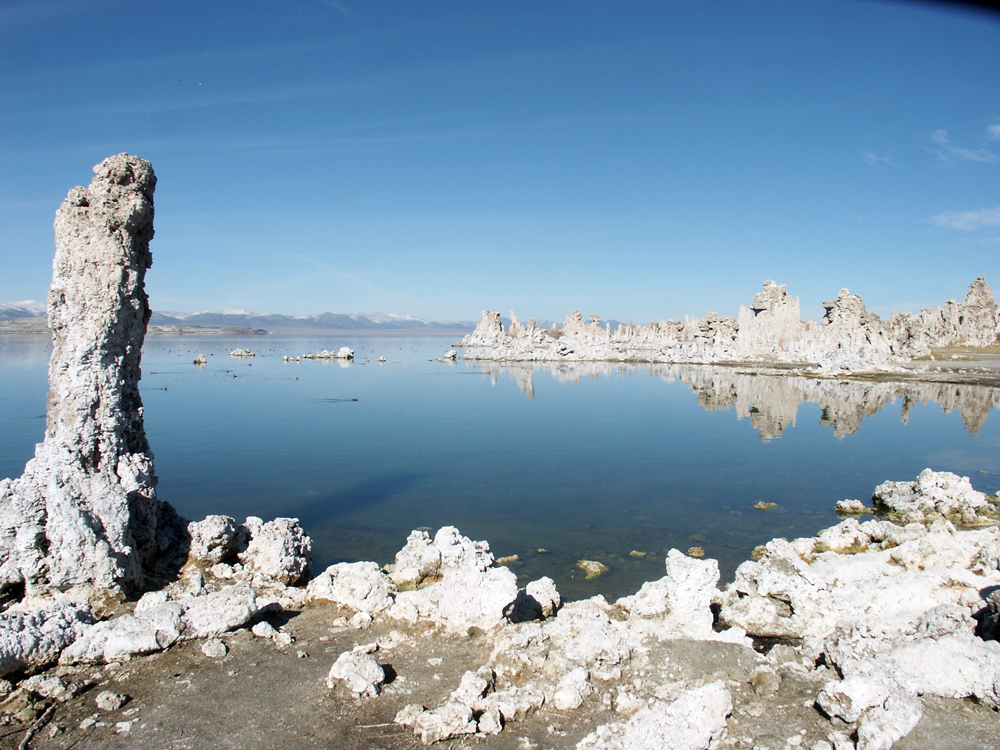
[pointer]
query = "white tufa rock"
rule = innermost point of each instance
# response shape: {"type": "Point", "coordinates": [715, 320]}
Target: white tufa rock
{"type": "Point", "coordinates": [572, 689]}
{"type": "Point", "coordinates": [84, 514]}
{"type": "Point", "coordinates": [934, 495]}
{"type": "Point", "coordinates": [108, 700]}
{"type": "Point", "coordinates": [33, 639]}
{"type": "Point", "coordinates": [695, 721]}
{"type": "Point", "coordinates": [362, 674]}
{"type": "Point", "coordinates": [538, 600]}
{"type": "Point", "coordinates": [459, 585]}
{"type": "Point", "coordinates": [679, 604]}
{"type": "Point", "coordinates": [361, 586]}
{"type": "Point", "coordinates": [158, 622]}
{"type": "Point", "coordinates": [213, 540]}
{"type": "Point", "coordinates": [769, 331]}
{"type": "Point", "coordinates": [278, 551]}
{"type": "Point", "coordinates": [450, 720]}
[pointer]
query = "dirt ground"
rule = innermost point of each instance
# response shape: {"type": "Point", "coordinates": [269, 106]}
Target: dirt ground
{"type": "Point", "coordinates": [274, 697]}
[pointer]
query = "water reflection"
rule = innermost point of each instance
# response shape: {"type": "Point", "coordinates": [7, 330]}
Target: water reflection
{"type": "Point", "coordinates": [771, 402]}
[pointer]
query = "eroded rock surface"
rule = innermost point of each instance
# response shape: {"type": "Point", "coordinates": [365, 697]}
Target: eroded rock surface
{"type": "Point", "coordinates": [770, 330]}
{"type": "Point", "coordinates": [84, 514]}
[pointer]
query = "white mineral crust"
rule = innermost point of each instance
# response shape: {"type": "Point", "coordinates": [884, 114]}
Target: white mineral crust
{"type": "Point", "coordinates": [769, 331]}
{"type": "Point", "coordinates": [84, 513]}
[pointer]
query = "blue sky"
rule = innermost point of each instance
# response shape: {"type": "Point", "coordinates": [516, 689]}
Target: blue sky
{"type": "Point", "coordinates": [638, 160]}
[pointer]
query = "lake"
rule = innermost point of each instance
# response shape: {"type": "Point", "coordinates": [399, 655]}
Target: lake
{"type": "Point", "coordinates": [552, 463]}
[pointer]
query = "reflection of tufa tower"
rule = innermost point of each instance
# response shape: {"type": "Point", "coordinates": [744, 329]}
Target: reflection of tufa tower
{"type": "Point", "coordinates": [84, 515]}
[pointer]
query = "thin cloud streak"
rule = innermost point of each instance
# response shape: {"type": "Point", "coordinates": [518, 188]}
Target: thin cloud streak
{"type": "Point", "coordinates": [951, 149]}
{"type": "Point", "coordinates": [872, 158]}
{"type": "Point", "coordinates": [329, 268]}
{"type": "Point", "coordinates": [968, 221]}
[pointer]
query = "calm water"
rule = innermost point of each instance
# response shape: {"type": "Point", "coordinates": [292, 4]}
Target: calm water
{"type": "Point", "coordinates": [549, 463]}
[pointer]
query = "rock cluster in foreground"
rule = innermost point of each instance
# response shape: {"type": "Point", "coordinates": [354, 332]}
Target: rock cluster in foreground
{"type": "Point", "coordinates": [871, 619]}
{"type": "Point", "coordinates": [769, 331]}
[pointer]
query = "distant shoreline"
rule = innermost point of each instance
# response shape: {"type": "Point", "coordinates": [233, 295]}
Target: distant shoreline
{"type": "Point", "coordinates": [38, 326]}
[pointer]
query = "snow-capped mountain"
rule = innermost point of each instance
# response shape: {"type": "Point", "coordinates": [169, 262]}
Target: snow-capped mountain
{"type": "Point", "coordinates": [275, 322]}
{"type": "Point", "coordinates": [26, 309]}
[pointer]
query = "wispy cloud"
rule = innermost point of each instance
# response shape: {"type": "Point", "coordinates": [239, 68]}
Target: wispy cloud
{"type": "Point", "coordinates": [872, 158]}
{"type": "Point", "coordinates": [329, 268]}
{"type": "Point", "coordinates": [339, 7]}
{"type": "Point", "coordinates": [994, 131]}
{"type": "Point", "coordinates": [34, 12]}
{"type": "Point", "coordinates": [968, 221]}
{"type": "Point", "coordinates": [949, 151]}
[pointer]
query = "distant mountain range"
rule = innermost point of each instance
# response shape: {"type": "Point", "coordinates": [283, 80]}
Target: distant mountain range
{"type": "Point", "coordinates": [276, 323]}
{"type": "Point", "coordinates": [271, 322]}
{"type": "Point", "coordinates": [26, 309]}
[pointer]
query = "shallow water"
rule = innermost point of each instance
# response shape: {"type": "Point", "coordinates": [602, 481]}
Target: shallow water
{"type": "Point", "coordinates": [552, 463]}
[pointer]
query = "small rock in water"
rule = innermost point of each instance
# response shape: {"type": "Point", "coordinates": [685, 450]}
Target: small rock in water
{"type": "Point", "coordinates": [696, 551]}
{"type": "Point", "coordinates": [637, 553]}
{"type": "Point", "coordinates": [851, 508]}
{"type": "Point", "coordinates": [765, 506]}
{"type": "Point", "coordinates": [592, 568]}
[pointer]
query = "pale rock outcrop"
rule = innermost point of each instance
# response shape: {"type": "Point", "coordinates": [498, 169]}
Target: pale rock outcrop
{"type": "Point", "coordinates": [770, 324]}
{"type": "Point", "coordinates": [934, 495]}
{"type": "Point", "coordinates": [359, 671]}
{"type": "Point", "coordinates": [584, 635]}
{"type": "Point", "coordinates": [443, 723]}
{"type": "Point", "coordinates": [848, 337]}
{"type": "Point", "coordinates": [158, 622]}
{"type": "Point", "coordinates": [769, 331]}
{"type": "Point", "coordinates": [572, 690]}
{"type": "Point", "coordinates": [973, 322]}
{"type": "Point", "coordinates": [84, 514]}
{"type": "Point", "coordinates": [804, 588]}
{"type": "Point", "coordinates": [695, 721]}
{"type": "Point", "coordinates": [34, 638]}
{"type": "Point", "coordinates": [270, 555]}
{"type": "Point", "coordinates": [361, 586]}
{"type": "Point", "coordinates": [537, 662]}
{"type": "Point", "coordinates": [214, 539]}
{"type": "Point", "coordinates": [343, 353]}
{"type": "Point", "coordinates": [537, 601]}
{"type": "Point", "coordinates": [898, 611]}
{"type": "Point", "coordinates": [278, 551]}
{"type": "Point", "coordinates": [681, 601]}
{"type": "Point", "coordinates": [459, 587]}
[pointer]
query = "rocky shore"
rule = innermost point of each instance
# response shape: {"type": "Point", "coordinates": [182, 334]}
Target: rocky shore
{"type": "Point", "coordinates": [770, 332]}
{"type": "Point", "coordinates": [869, 635]}
{"type": "Point", "coordinates": [125, 626]}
